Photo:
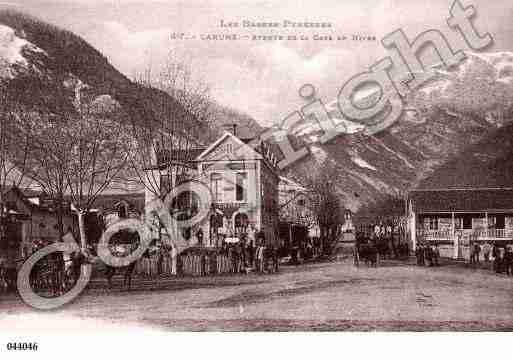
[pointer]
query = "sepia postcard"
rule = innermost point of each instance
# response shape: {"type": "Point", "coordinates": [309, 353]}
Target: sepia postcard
{"type": "Point", "coordinates": [254, 166]}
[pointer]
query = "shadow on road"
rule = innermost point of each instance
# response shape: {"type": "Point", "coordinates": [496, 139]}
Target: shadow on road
{"type": "Point", "coordinates": [252, 297]}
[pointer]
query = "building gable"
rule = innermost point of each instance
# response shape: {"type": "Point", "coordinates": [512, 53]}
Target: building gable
{"type": "Point", "coordinates": [15, 202]}
{"type": "Point", "coordinates": [228, 148]}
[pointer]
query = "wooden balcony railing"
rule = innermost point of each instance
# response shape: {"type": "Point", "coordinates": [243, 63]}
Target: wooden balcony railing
{"type": "Point", "coordinates": [477, 234]}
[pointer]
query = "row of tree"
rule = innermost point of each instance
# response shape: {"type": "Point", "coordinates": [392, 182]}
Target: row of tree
{"type": "Point", "coordinates": [73, 157]}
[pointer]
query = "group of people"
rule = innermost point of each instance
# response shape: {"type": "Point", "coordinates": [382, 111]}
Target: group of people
{"type": "Point", "coordinates": [54, 273]}
{"type": "Point", "coordinates": [250, 254]}
{"type": "Point", "coordinates": [500, 256]}
{"type": "Point", "coordinates": [388, 238]}
{"type": "Point", "coordinates": [427, 255]}
{"type": "Point", "coordinates": [495, 256]}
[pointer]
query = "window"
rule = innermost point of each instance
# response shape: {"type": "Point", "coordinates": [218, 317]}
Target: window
{"type": "Point", "coordinates": [497, 221]}
{"type": "Point", "coordinates": [458, 223]}
{"type": "Point", "coordinates": [433, 223]}
{"type": "Point", "coordinates": [467, 222]}
{"type": "Point", "coordinates": [215, 183]}
{"type": "Point", "coordinates": [240, 190]}
{"type": "Point", "coordinates": [185, 205]}
{"type": "Point", "coordinates": [122, 210]}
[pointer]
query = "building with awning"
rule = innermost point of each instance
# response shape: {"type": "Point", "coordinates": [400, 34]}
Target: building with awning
{"type": "Point", "coordinates": [455, 217]}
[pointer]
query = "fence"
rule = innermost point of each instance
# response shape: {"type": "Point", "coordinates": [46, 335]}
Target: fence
{"type": "Point", "coordinates": [189, 264]}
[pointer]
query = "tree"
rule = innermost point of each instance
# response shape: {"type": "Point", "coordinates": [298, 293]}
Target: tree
{"type": "Point", "coordinates": [165, 145]}
{"type": "Point", "coordinates": [48, 158]}
{"type": "Point", "coordinates": [15, 144]}
{"type": "Point", "coordinates": [77, 156]}
{"type": "Point", "coordinates": [99, 153]}
{"type": "Point", "coordinates": [326, 205]}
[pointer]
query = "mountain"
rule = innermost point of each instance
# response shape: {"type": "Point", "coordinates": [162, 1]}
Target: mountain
{"type": "Point", "coordinates": [445, 116]}
{"type": "Point", "coordinates": [43, 68]}
{"type": "Point", "coordinates": [488, 163]}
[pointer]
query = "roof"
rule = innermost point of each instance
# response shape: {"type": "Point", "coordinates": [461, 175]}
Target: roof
{"type": "Point", "coordinates": [287, 181]}
{"type": "Point", "coordinates": [462, 200]}
{"type": "Point", "coordinates": [180, 154]}
{"type": "Point", "coordinates": [135, 201]}
{"type": "Point", "coordinates": [43, 204]}
{"type": "Point", "coordinates": [177, 157]}
{"type": "Point", "coordinates": [263, 150]}
{"type": "Point", "coordinates": [217, 142]}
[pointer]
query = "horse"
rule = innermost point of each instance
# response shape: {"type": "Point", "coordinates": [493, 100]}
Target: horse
{"type": "Point", "coordinates": [367, 251]}
{"type": "Point", "coordinates": [127, 275]}
{"type": "Point", "coordinates": [382, 246]}
{"type": "Point", "coordinates": [128, 270]}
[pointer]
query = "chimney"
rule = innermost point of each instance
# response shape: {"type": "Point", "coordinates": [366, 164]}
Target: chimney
{"type": "Point", "coordinates": [231, 128]}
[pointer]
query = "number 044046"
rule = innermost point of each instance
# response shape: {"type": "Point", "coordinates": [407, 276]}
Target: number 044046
{"type": "Point", "coordinates": [22, 346]}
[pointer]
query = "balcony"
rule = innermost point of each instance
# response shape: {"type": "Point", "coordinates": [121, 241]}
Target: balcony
{"type": "Point", "coordinates": [474, 234]}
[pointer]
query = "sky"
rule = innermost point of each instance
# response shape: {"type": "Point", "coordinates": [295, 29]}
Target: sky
{"type": "Point", "coordinates": [261, 78]}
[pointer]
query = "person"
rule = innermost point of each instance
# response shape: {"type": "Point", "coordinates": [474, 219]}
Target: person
{"type": "Point", "coordinates": [435, 254]}
{"type": "Point", "coordinates": [276, 258]}
{"type": "Point", "coordinates": [420, 253]}
{"type": "Point", "coordinates": [377, 230]}
{"type": "Point", "coordinates": [57, 268]}
{"type": "Point", "coordinates": [508, 260]}
{"type": "Point", "coordinates": [499, 267]}
{"type": "Point", "coordinates": [487, 248]}
{"type": "Point", "coordinates": [10, 264]}
{"type": "Point", "coordinates": [199, 236]}
{"type": "Point", "coordinates": [428, 254]}
{"type": "Point", "coordinates": [238, 257]}
{"type": "Point", "coordinates": [251, 235]}
{"type": "Point", "coordinates": [243, 258]}
{"type": "Point", "coordinates": [231, 257]}
{"type": "Point", "coordinates": [495, 255]}
{"type": "Point", "coordinates": [472, 254]}
{"type": "Point", "coordinates": [477, 251]}
{"type": "Point", "coordinates": [382, 231]}
{"type": "Point", "coordinates": [260, 252]}
{"type": "Point", "coordinates": [203, 263]}
{"type": "Point", "coordinates": [250, 253]}
{"type": "Point", "coordinates": [417, 254]}
{"type": "Point", "coordinates": [261, 257]}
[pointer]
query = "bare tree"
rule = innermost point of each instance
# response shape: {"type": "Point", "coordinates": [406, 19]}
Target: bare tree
{"type": "Point", "coordinates": [48, 156]}
{"type": "Point", "coordinates": [15, 144]}
{"type": "Point", "coordinates": [326, 205]}
{"type": "Point", "coordinates": [167, 144]}
{"type": "Point", "coordinates": [99, 152]}
{"type": "Point", "coordinates": [78, 156]}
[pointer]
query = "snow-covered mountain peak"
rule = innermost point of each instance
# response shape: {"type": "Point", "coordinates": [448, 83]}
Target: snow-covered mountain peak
{"type": "Point", "coordinates": [13, 50]}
